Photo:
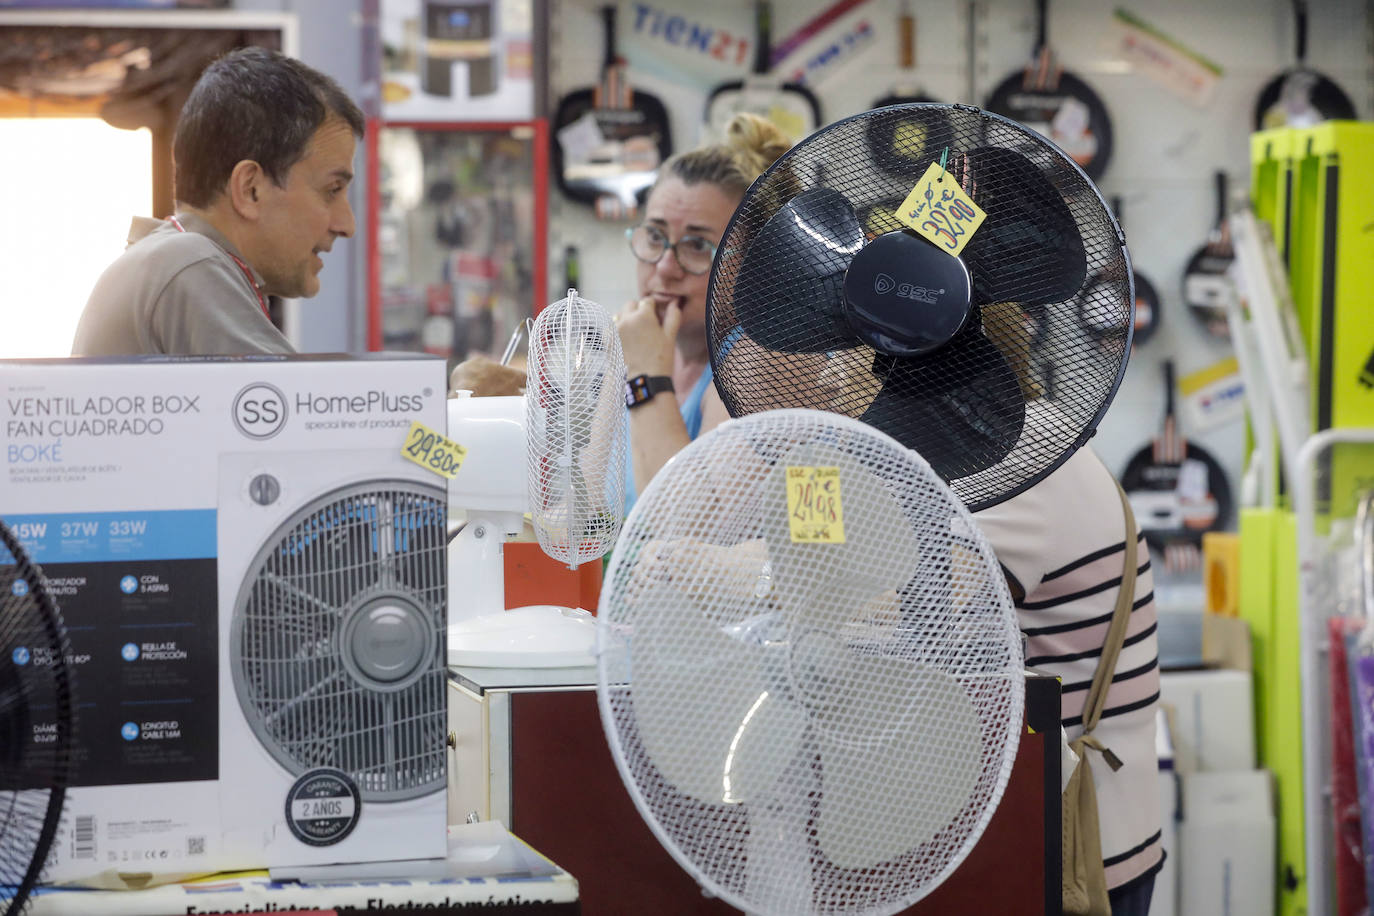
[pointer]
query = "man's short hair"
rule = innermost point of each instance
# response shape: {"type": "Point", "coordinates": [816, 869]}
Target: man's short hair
{"type": "Point", "coordinates": [252, 103]}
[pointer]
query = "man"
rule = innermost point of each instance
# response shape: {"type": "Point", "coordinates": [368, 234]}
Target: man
{"type": "Point", "coordinates": [263, 154]}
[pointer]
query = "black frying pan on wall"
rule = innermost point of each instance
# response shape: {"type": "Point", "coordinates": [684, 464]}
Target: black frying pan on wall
{"type": "Point", "coordinates": [904, 144]}
{"type": "Point", "coordinates": [1057, 104]}
{"type": "Point", "coordinates": [1300, 96]}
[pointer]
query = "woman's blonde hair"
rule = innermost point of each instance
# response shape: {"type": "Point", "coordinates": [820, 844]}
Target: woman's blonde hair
{"type": "Point", "coordinates": [751, 145]}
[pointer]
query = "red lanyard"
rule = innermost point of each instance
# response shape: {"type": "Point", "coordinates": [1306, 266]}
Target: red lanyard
{"type": "Point", "coordinates": [262, 303]}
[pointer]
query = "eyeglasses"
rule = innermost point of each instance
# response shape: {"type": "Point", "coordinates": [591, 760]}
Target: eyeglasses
{"type": "Point", "coordinates": [649, 243]}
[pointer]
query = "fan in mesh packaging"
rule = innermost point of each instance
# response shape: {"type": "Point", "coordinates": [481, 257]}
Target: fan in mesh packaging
{"type": "Point", "coordinates": [36, 722]}
{"type": "Point", "coordinates": [576, 430]}
{"type": "Point", "coordinates": [821, 298]}
{"type": "Point", "coordinates": [558, 452]}
{"type": "Point", "coordinates": [810, 669]}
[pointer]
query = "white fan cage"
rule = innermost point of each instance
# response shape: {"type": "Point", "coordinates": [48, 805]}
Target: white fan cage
{"type": "Point", "coordinates": [809, 727]}
{"type": "Point", "coordinates": [576, 430]}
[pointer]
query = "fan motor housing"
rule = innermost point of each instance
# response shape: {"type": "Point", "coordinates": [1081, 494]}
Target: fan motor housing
{"type": "Point", "coordinates": [905, 297]}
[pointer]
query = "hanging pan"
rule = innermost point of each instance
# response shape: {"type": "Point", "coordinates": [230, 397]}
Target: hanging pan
{"type": "Point", "coordinates": [1057, 105]}
{"type": "Point", "coordinates": [1300, 96]}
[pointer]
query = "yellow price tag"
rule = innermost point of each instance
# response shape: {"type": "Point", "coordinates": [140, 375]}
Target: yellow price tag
{"type": "Point", "coordinates": [433, 451]}
{"type": "Point", "coordinates": [940, 211]}
{"type": "Point", "coordinates": [814, 511]}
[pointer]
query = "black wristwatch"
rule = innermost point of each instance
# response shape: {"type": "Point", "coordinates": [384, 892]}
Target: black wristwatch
{"type": "Point", "coordinates": [642, 388]}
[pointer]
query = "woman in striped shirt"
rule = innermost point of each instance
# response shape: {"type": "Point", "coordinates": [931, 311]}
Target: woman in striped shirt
{"type": "Point", "coordinates": [1061, 544]}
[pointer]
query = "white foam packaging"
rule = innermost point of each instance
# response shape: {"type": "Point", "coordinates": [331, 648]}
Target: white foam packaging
{"type": "Point", "coordinates": [1227, 843]}
{"type": "Point", "coordinates": [253, 577]}
{"type": "Point", "coordinates": [1213, 719]}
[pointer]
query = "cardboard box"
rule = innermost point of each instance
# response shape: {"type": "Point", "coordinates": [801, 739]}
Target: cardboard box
{"type": "Point", "coordinates": [1227, 842]}
{"type": "Point", "coordinates": [1212, 719]}
{"type": "Point", "coordinates": [253, 578]}
{"type": "Point", "coordinates": [1164, 902]}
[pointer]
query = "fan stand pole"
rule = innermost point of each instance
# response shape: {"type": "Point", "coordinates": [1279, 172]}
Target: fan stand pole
{"type": "Point", "coordinates": [779, 856]}
{"type": "Point", "coordinates": [476, 574]}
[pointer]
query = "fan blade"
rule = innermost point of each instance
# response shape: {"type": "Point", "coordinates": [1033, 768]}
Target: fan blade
{"type": "Point", "coordinates": [961, 407]}
{"type": "Point", "coordinates": [742, 732]}
{"type": "Point", "coordinates": [878, 552]}
{"type": "Point", "coordinates": [925, 755]}
{"type": "Point", "coordinates": [1028, 248]}
{"type": "Point", "coordinates": [791, 281]}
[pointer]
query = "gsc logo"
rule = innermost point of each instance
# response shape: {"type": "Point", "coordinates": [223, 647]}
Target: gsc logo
{"type": "Point", "coordinates": [884, 284]}
{"type": "Point", "coordinates": [260, 411]}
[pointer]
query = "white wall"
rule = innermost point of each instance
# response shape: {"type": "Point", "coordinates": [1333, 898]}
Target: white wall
{"type": "Point", "coordinates": [1166, 149]}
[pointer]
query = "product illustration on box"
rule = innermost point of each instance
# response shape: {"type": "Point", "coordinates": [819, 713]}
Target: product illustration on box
{"type": "Point", "coordinates": [331, 684]}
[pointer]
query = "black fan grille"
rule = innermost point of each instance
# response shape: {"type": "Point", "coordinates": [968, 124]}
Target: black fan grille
{"type": "Point", "coordinates": [1049, 260]}
{"type": "Point", "coordinates": [37, 757]}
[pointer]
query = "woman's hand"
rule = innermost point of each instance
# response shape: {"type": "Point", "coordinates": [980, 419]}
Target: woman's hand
{"type": "Point", "coordinates": [648, 345]}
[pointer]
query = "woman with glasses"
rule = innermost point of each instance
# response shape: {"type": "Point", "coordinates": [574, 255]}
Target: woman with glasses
{"type": "Point", "coordinates": [669, 392]}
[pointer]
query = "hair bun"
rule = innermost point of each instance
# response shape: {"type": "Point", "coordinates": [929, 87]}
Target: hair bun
{"type": "Point", "coordinates": [755, 141]}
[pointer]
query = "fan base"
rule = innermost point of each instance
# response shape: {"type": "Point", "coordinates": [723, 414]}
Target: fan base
{"type": "Point", "coordinates": [538, 636]}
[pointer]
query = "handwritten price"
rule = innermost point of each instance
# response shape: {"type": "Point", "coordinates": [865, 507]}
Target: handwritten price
{"type": "Point", "coordinates": [940, 211]}
{"type": "Point", "coordinates": [815, 512]}
{"type": "Point", "coordinates": [433, 451]}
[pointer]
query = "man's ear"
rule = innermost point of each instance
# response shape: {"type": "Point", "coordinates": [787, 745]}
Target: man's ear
{"type": "Point", "coordinates": [246, 188]}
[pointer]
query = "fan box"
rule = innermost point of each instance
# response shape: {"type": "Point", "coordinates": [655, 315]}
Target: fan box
{"type": "Point", "coordinates": [253, 580]}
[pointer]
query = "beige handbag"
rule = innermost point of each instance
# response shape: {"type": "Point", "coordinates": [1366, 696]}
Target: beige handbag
{"type": "Point", "coordinates": [1085, 879]}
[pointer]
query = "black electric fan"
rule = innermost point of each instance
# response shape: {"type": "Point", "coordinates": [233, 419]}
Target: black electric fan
{"type": "Point", "coordinates": [821, 298]}
{"type": "Point", "coordinates": [35, 723]}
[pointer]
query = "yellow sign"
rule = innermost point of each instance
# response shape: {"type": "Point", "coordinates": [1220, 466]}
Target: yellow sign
{"type": "Point", "coordinates": [433, 451]}
{"type": "Point", "coordinates": [939, 210]}
{"type": "Point", "coordinates": [814, 511]}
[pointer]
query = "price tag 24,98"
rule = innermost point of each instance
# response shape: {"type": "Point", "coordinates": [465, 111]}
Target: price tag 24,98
{"type": "Point", "coordinates": [815, 513]}
{"type": "Point", "coordinates": [433, 451]}
{"type": "Point", "coordinates": [940, 211]}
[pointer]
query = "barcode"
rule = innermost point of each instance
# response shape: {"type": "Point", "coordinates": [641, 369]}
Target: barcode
{"type": "Point", "coordinates": [195, 845]}
{"type": "Point", "coordinates": [83, 837]}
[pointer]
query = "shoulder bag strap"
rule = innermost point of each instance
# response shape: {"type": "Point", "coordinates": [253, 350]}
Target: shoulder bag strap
{"type": "Point", "coordinates": [1116, 631]}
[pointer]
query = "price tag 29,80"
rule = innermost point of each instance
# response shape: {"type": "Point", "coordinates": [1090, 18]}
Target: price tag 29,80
{"type": "Point", "coordinates": [433, 451]}
{"type": "Point", "coordinates": [940, 211]}
{"type": "Point", "coordinates": [815, 513]}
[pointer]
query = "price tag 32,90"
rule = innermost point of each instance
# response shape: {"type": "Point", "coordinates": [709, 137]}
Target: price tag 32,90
{"type": "Point", "coordinates": [815, 513]}
{"type": "Point", "coordinates": [433, 451]}
{"type": "Point", "coordinates": [940, 211]}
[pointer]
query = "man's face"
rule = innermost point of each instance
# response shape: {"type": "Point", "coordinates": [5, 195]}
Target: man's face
{"type": "Point", "coordinates": [301, 220]}
{"type": "Point", "coordinates": [679, 209]}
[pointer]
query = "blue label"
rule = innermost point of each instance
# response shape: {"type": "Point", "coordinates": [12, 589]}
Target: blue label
{"type": "Point", "coordinates": [129, 652]}
{"type": "Point", "coordinates": [20, 656]}
{"type": "Point", "coordinates": [93, 537]}
{"type": "Point", "coordinates": [130, 731]}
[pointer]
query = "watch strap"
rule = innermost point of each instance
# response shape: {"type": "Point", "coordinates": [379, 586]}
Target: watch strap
{"type": "Point", "coordinates": [642, 388]}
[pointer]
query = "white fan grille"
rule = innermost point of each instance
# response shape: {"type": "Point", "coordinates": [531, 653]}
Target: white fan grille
{"type": "Point", "coordinates": [809, 727]}
{"type": "Point", "coordinates": [576, 430]}
{"type": "Point", "coordinates": [306, 686]}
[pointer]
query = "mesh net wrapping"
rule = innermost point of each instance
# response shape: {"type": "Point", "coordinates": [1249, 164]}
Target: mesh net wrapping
{"type": "Point", "coordinates": [1052, 307]}
{"type": "Point", "coordinates": [576, 430]}
{"type": "Point", "coordinates": [809, 727]}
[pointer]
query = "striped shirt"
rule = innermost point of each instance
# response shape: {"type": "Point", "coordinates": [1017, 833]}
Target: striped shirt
{"type": "Point", "coordinates": [1062, 542]}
